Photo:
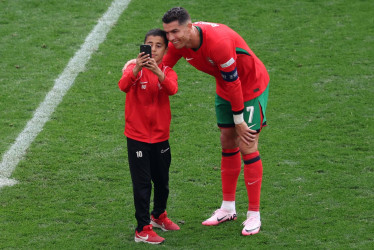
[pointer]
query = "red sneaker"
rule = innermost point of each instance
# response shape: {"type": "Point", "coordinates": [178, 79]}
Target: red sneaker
{"type": "Point", "coordinates": [148, 236]}
{"type": "Point", "coordinates": [164, 222]}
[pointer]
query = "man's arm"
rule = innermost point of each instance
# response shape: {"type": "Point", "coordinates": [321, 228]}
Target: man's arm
{"type": "Point", "coordinates": [224, 56]}
{"type": "Point", "coordinates": [172, 56]}
{"type": "Point", "coordinates": [226, 62]}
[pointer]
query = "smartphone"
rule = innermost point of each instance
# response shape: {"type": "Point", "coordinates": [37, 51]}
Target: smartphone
{"type": "Point", "coordinates": [146, 48]}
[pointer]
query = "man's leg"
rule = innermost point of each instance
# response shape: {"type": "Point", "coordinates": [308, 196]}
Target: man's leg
{"type": "Point", "coordinates": [253, 169]}
{"type": "Point", "coordinates": [253, 180]}
{"type": "Point", "coordinates": [230, 167]}
{"type": "Point", "coordinates": [230, 171]}
{"type": "Point", "coordinates": [230, 163]}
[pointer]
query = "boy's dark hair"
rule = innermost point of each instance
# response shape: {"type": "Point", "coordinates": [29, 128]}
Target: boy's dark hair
{"type": "Point", "coordinates": [157, 32]}
{"type": "Point", "coordinates": [176, 14]}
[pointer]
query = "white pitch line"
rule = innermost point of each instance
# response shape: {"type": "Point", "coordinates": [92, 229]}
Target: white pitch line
{"type": "Point", "coordinates": [63, 83]}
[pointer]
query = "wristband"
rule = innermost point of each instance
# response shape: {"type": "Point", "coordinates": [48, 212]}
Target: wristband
{"type": "Point", "coordinates": [238, 118]}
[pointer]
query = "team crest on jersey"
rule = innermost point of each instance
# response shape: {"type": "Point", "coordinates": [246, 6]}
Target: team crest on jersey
{"type": "Point", "coordinates": [211, 61]}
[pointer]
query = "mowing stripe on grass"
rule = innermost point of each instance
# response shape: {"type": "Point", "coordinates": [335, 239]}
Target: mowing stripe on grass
{"type": "Point", "coordinates": [63, 83]}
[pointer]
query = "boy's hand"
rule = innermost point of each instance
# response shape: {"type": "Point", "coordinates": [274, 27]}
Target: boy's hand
{"type": "Point", "coordinates": [142, 59]}
{"type": "Point", "coordinates": [152, 66]}
{"type": "Point", "coordinates": [140, 62]}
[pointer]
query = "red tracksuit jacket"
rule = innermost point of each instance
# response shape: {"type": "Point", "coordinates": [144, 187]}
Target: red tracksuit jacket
{"type": "Point", "coordinates": [147, 107]}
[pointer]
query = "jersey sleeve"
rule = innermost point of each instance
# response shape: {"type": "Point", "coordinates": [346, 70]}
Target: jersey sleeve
{"type": "Point", "coordinates": [225, 57]}
{"type": "Point", "coordinates": [172, 56]}
{"type": "Point", "coordinates": [128, 79]}
{"type": "Point", "coordinates": [170, 83]}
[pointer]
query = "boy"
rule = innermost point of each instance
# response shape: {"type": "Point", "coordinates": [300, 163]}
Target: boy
{"type": "Point", "coordinates": [148, 84]}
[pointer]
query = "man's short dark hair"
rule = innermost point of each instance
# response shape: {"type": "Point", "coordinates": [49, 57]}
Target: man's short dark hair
{"type": "Point", "coordinates": [157, 32]}
{"type": "Point", "coordinates": [176, 14]}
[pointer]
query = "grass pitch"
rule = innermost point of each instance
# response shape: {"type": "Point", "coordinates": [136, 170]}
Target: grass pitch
{"type": "Point", "coordinates": [74, 188]}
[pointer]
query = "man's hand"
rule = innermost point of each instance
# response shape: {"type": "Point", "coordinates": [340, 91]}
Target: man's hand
{"type": "Point", "coordinates": [246, 134]}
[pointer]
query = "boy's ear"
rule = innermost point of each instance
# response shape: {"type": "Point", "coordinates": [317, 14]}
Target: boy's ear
{"type": "Point", "coordinates": [166, 50]}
